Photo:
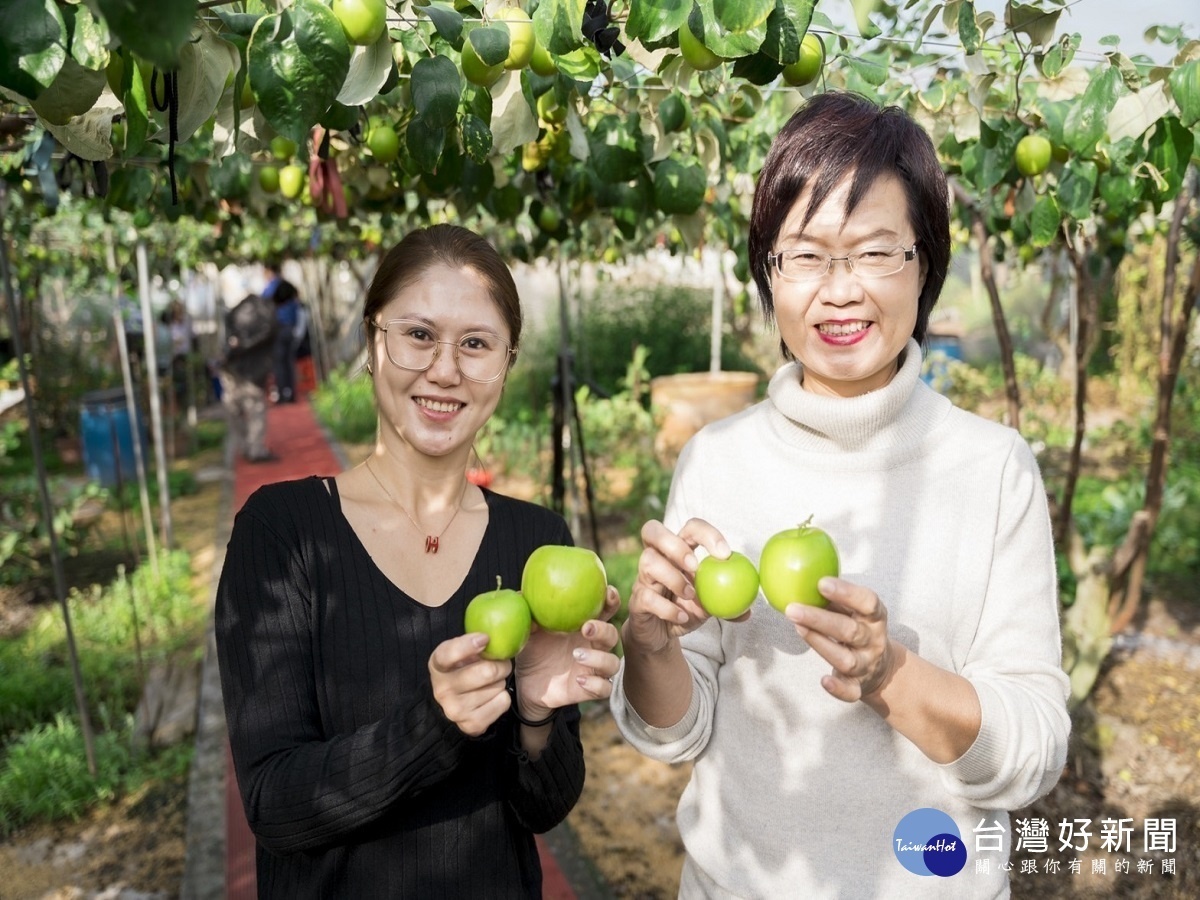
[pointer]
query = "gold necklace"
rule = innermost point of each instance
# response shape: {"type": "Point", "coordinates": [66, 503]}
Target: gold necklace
{"type": "Point", "coordinates": [431, 540]}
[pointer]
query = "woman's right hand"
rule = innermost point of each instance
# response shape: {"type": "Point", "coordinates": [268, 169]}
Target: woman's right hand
{"type": "Point", "coordinates": [662, 604]}
{"type": "Point", "coordinates": [471, 690]}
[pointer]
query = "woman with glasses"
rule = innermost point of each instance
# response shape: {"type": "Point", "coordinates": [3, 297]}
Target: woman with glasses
{"type": "Point", "coordinates": [931, 681]}
{"type": "Point", "coordinates": [377, 753]}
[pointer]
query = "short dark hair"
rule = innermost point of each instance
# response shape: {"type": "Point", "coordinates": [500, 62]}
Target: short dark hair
{"type": "Point", "coordinates": [448, 245]}
{"type": "Point", "coordinates": [838, 134]}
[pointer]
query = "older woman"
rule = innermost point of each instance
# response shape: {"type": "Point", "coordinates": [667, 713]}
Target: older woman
{"type": "Point", "coordinates": [377, 753]}
{"type": "Point", "coordinates": [932, 680]}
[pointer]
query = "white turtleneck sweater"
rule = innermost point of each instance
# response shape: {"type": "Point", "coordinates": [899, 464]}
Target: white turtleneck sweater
{"type": "Point", "coordinates": [943, 514]}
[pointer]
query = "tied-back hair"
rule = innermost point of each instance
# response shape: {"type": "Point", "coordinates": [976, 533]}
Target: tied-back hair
{"type": "Point", "coordinates": [836, 135]}
{"type": "Point", "coordinates": [448, 245]}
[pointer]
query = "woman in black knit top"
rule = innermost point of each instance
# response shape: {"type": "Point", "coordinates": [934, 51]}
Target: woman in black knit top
{"type": "Point", "coordinates": [377, 754]}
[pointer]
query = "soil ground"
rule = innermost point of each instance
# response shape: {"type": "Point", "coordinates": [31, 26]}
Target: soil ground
{"type": "Point", "coordinates": [1135, 753]}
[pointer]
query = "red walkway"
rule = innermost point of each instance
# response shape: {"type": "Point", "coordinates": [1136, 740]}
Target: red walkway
{"type": "Point", "coordinates": [294, 435]}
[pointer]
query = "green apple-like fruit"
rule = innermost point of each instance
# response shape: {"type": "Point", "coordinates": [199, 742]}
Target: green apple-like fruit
{"type": "Point", "coordinates": [726, 588]}
{"type": "Point", "coordinates": [1033, 155]}
{"type": "Point", "coordinates": [362, 20]}
{"type": "Point", "coordinates": [549, 110]}
{"type": "Point", "coordinates": [806, 69]}
{"type": "Point", "coordinates": [542, 62]}
{"type": "Point", "coordinates": [283, 149]}
{"type": "Point", "coordinates": [698, 56]}
{"type": "Point", "coordinates": [674, 113]}
{"type": "Point", "coordinates": [503, 615]}
{"type": "Point", "coordinates": [792, 563]}
{"type": "Point", "coordinates": [549, 219]}
{"type": "Point", "coordinates": [268, 179]}
{"type": "Point", "coordinates": [564, 586]}
{"type": "Point", "coordinates": [476, 70]}
{"type": "Point", "coordinates": [384, 144]}
{"type": "Point", "coordinates": [291, 181]}
{"type": "Point", "coordinates": [520, 36]}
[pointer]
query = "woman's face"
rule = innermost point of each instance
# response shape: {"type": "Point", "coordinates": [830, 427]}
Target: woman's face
{"type": "Point", "coordinates": [848, 330]}
{"type": "Point", "coordinates": [437, 411]}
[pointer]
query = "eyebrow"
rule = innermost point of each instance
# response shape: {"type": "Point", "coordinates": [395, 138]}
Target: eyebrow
{"type": "Point", "coordinates": [433, 326]}
{"type": "Point", "coordinates": [877, 234]}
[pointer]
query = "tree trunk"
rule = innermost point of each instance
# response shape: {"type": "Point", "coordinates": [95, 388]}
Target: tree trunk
{"type": "Point", "coordinates": [979, 231]}
{"type": "Point", "coordinates": [1086, 306]}
{"type": "Point", "coordinates": [1131, 558]}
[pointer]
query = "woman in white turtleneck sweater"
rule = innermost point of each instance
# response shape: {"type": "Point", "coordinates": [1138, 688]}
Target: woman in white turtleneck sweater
{"type": "Point", "coordinates": [932, 680]}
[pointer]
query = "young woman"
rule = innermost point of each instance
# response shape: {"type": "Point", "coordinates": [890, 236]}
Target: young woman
{"type": "Point", "coordinates": [377, 753]}
{"type": "Point", "coordinates": [932, 680]}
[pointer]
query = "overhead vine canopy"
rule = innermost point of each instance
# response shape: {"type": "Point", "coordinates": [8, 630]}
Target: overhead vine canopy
{"type": "Point", "coordinates": [563, 115]}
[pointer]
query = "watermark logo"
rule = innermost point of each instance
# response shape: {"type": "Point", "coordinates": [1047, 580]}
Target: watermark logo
{"type": "Point", "coordinates": [927, 842]}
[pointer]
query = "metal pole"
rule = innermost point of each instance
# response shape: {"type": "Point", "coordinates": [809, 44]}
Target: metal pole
{"type": "Point", "coordinates": [148, 327]}
{"type": "Point", "coordinates": [135, 425]}
{"type": "Point", "coordinates": [35, 441]}
{"type": "Point", "coordinates": [718, 312]}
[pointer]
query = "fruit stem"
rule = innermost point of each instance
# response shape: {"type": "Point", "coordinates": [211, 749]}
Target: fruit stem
{"type": "Point", "coordinates": [806, 523]}
{"type": "Point", "coordinates": [497, 582]}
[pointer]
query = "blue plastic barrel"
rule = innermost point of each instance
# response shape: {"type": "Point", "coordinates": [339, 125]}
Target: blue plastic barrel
{"type": "Point", "coordinates": [108, 437]}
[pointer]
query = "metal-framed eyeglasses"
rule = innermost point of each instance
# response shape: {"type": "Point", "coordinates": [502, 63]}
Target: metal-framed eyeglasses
{"type": "Point", "coordinates": [481, 356]}
{"type": "Point", "coordinates": [803, 264]}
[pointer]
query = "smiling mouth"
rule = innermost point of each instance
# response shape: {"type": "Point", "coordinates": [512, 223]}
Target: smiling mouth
{"type": "Point", "coordinates": [843, 328]}
{"type": "Point", "coordinates": [438, 405]}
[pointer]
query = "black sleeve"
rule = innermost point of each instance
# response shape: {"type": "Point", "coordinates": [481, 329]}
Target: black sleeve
{"type": "Point", "coordinates": [303, 790]}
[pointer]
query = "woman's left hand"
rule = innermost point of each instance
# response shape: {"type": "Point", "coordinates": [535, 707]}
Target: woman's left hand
{"type": "Point", "coordinates": [557, 669]}
{"type": "Point", "coordinates": [851, 635]}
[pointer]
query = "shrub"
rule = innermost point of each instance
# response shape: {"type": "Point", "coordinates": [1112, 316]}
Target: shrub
{"type": "Point", "coordinates": [345, 404]}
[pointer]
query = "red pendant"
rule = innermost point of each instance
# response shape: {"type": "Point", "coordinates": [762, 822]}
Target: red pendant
{"type": "Point", "coordinates": [431, 544]}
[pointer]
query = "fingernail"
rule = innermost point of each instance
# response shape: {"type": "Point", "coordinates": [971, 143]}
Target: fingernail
{"type": "Point", "coordinates": [827, 585]}
{"type": "Point", "coordinates": [579, 654]}
{"type": "Point", "coordinates": [581, 681]}
{"type": "Point", "coordinates": [723, 550]}
{"type": "Point", "coordinates": [480, 640]}
{"type": "Point", "coordinates": [589, 630]}
{"type": "Point", "coordinates": [690, 562]}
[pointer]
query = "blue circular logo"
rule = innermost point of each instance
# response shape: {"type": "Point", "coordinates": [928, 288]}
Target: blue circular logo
{"type": "Point", "coordinates": [927, 842]}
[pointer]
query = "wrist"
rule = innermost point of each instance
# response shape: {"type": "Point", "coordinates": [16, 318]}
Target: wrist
{"type": "Point", "coordinates": [632, 646]}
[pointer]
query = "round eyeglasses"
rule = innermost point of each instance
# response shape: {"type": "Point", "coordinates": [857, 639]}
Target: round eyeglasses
{"type": "Point", "coordinates": [481, 356]}
{"type": "Point", "coordinates": [803, 264]}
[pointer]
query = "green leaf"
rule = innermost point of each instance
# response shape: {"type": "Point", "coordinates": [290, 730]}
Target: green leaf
{"type": "Point", "coordinates": [137, 106]}
{"type": "Point", "coordinates": [1170, 150]}
{"type": "Point", "coordinates": [87, 135]}
{"type": "Point", "coordinates": [862, 16]}
{"type": "Point", "coordinates": [870, 72]}
{"type": "Point", "coordinates": [152, 29]}
{"type": "Point", "coordinates": [1119, 191]}
{"type": "Point", "coordinates": [727, 44]}
{"type": "Point", "coordinates": [241, 24]}
{"type": "Point", "coordinates": [298, 62]}
{"type": "Point", "coordinates": [205, 63]}
{"type": "Point", "coordinates": [73, 92]}
{"type": "Point", "coordinates": [742, 15]}
{"type": "Point", "coordinates": [1038, 22]}
{"type": "Point", "coordinates": [1129, 73]}
{"type": "Point", "coordinates": [786, 26]}
{"type": "Point", "coordinates": [653, 20]}
{"type": "Point", "coordinates": [476, 138]}
{"type": "Point", "coordinates": [435, 91]}
{"type": "Point", "coordinates": [1060, 55]}
{"type": "Point", "coordinates": [582, 65]}
{"type": "Point", "coordinates": [1185, 89]}
{"type": "Point", "coordinates": [369, 71]}
{"type": "Point", "coordinates": [490, 43]}
{"type": "Point", "coordinates": [33, 46]}
{"type": "Point", "coordinates": [424, 144]}
{"type": "Point", "coordinates": [1087, 119]}
{"type": "Point", "coordinates": [130, 188]}
{"type": "Point", "coordinates": [614, 151]}
{"type": "Point", "coordinates": [968, 29]}
{"type": "Point", "coordinates": [447, 20]}
{"type": "Point", "coordinates": [1076, 188]}
{"type": "Point", "coordinates": [89, 37]}
{"type": "Point", "coordinates": [679, 187]}
{"type": "Point", "coordinates": [757, 68]}
{"type": "Point", "coordinates": [558, 25]}
{"type": "Point", "coordinates": [1044, 222]}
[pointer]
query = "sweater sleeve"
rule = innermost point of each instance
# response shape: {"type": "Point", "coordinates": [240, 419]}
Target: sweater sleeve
{"type": "Point", "coordinates": [1015, 661]}
{"type": "Point", "coordinates": [301, 789]}
{"type": "Point", "coordinates": [688, 737]}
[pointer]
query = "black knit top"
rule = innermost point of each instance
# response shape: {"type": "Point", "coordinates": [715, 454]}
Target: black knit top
{"type": "Point", "coordinates": [354, 782]}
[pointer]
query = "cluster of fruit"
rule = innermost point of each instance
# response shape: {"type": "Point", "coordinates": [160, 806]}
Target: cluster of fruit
{"type": "Point", "coordinates": [561, 589]}
{"type": "Point", "coordinates": [792, 563]}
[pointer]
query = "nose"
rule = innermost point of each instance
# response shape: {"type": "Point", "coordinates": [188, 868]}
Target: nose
{"type": "Point", "coordinates": [444, 368]}
{"type": "Point", "coordinates": [840, 285]}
